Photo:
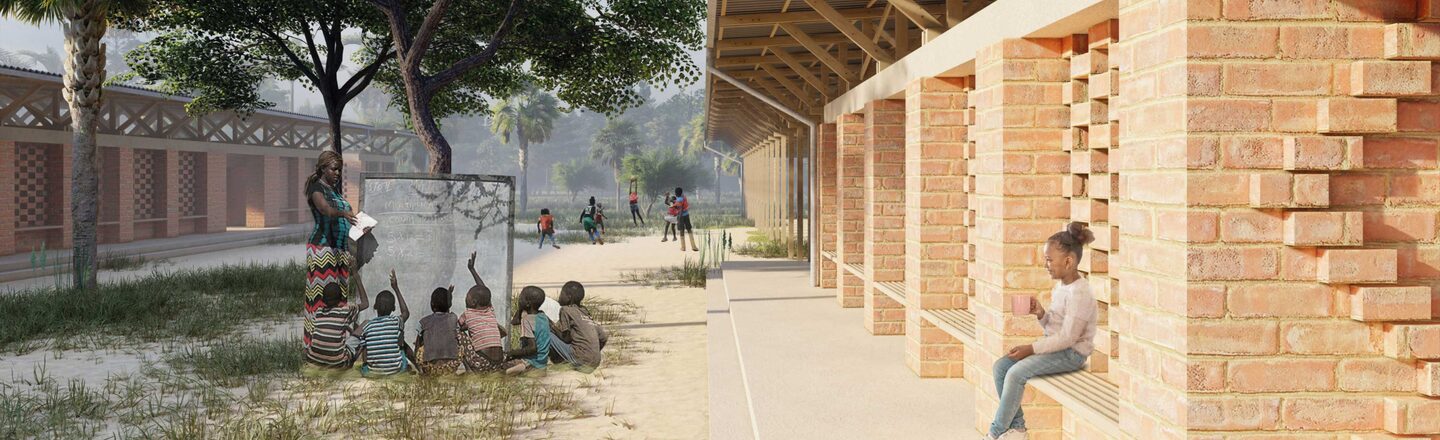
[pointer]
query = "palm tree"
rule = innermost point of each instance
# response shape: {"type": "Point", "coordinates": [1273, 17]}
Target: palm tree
{"type": "Point", "coordinates": [50, 60]}
{"type": "Point", "coordinates": [616, 140]}
{"type": "Point", "coordinates": [85, 23]}
{"type": "Point", "coordinates": [530, 115]}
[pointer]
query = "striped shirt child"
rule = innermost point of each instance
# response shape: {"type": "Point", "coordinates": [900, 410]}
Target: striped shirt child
{"type": "Point", "coordinates": [383, 355]}
{"type": "Point", "coordinates": [327, 343]}
{"type": "Point", "coordinates": [483, 328]}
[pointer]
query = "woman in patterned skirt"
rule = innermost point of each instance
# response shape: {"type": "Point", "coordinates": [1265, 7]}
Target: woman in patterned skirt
{"type": "Point", "coordinates": [327, 254]}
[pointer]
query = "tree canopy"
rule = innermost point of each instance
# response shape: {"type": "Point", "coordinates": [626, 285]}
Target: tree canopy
{"type": "Point", "coordinates": [576, 176]}
{"type": "Point", "coordinates": [661, 170]}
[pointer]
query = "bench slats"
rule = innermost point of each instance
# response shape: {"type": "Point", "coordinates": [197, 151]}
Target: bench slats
{"type": "Point", "coordinates": [829, 255]}
{"type": "Point", "coordinates": [958, 322]}
{"type": "Point", "coordinates": [894, 289]}
{"type": "Point", "coordinates": [856, 269]}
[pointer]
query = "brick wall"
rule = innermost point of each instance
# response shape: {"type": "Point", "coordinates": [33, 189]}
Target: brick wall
{"type": "Point", "coordinates": [171, 193]}
{"type": "Point", "coordinates": [827, 198]}
{"type": "Point", "coordinates": [125, 194]}
{"type": "Point", "coordinates": [884, 213]}
{"type": "Point", "coordinates": [7, 197]}
{"type": "Point", "coordinates": [936, 119]}
{"type": "Point", "coordinates": [216, 193]}
{"type": "Point", "coordinates": [850, 222]}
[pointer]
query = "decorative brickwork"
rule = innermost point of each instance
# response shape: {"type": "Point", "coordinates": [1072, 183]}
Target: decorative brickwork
{"type": "Point", "coordinates": [33, 185]}
{"type": "Point", "coordinates": [192, 184]}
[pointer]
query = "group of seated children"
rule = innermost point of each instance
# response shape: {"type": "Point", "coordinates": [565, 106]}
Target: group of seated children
{"type": "Point", "coordinates": [446, 342]}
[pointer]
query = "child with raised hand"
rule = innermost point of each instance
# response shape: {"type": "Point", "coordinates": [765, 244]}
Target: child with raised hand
{"type": "Point", "coordinates": [438, 341]}
{"type": "Point", "coordinates": [383, 348]}
{"type": "Point", "coordinates": [1069, 332]}
{"type": "Point", "coordinates": [334, 324]}
{"type": "Point", "coordinates": [480, 333]}
{"type": "Point", "coordinates": [546, 227]}
{"type": "Point", "coordinates": [534, 351]}
{"type": "Point", "coordinates": [575, 328]}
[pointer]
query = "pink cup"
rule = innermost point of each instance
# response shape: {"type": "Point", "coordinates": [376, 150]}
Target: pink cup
{"type": "Point", "coordinates": [1020, 304]}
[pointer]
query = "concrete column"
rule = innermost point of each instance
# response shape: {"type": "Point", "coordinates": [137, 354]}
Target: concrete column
{"type": "Point", "coordinates": [125, 198]}
{"type": "Point", "coordinates": [936, 122]}
{"type": "Point", "coordinates": [827, 194]}
{"type": "Point", "coordinates": [850, 230]}
{"type": "Point", "coordinates": [884, 213]}
{"type": "Point", "coordinates": [7, 197]}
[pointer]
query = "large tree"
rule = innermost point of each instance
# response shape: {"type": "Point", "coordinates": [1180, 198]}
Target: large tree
{"type": "Point", "coordinates": [84, 23]}
{"type": "Point", "coordinates": [221, 51]}
{"type": "Point", "coordinates": [451, 55]}
{"type": "Point", "coordinates": [659, 170]}
{"type": "Point", "coordinates": [618, 139]}
{"type": "Point", "coordinates": [576, 176]}
{"type": "Point", "coordinates": [530, 117]}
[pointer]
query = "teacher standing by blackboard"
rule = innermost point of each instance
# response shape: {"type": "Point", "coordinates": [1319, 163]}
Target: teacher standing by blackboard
{"type": "Point", "coordinates": [327, 254]}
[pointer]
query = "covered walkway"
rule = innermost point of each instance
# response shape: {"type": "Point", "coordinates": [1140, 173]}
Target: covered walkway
{"type": "Point", "coordinates": [786, 361]}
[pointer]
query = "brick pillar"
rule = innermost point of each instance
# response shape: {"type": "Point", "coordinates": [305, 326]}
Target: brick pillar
{"type": "Point", "coordinates": [935, 205]}
{"type": "Point", "coordinates": [1019, 167]}
{"type": "Point", "coordinates": [216, 207]}
{"type": "Point", "coordinates": [850, 246]}
{"type": "Point", "coordinates": [354, 167]}
{"type": "Point", "coordinates": [827, 196]}
{"type": "Point", "coordinates": [7, 197]}
{"type": "Point", "coordinates": [171, 192]}
{"type": "Point", "coordinates": [125, 163]}
{"type": "Point", "coordinates": [265, 212]}
{"type": "Point", "coordinates": [67, 221]}
{"type": "Point", "coordinates": [884, 213]}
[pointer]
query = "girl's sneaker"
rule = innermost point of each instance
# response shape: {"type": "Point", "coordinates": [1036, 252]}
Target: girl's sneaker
{"type": "Point", "coordinates": [1014, 434]}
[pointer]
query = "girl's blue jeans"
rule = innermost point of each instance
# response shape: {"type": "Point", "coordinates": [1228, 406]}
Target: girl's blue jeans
{"type": "Point", "coordinates": [552, 240]}
{"type": "Point", "coordinates": [1010, 378]}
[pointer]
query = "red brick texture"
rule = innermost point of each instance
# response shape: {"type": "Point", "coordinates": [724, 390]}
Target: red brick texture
{"type": "Point", "coordinates": [850, 219]}
{"type": "Point", "coordinates": [828, 198]}
{"type": "Point", "coordinates": [884, 234]}
{"type": "Point", "coordinates": [215, 190]}
{"type": "Point", "coordinates": [7, 197]}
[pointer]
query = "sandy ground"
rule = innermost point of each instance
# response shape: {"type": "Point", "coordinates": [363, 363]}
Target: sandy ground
{"type": "Point", "coordinates": [665, 394]}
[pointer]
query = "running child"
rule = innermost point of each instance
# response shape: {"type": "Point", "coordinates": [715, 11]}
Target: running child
{"type": "Point", "coordinates": [587, 219]}
{"type": "Point", "coordinates": [1069, 332]}
{"type": "Point", "coordinates": [546, 227]}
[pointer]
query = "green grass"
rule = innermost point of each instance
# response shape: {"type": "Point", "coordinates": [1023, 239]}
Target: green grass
{"type": "Point", "coordinates": [203, 303]}
{"type": "Point", "coordinates": [121, 262]}
{"type": "Point", "coordinates": [229, 363]}
{"type": "Point", "coordinates": [689, 274]}
{"type": "Point", "coordinates": [723, 221]}
{"type": "Point", "coordinates": [760, 246]}
{"type": "Point", "coordinates": [291, 239]}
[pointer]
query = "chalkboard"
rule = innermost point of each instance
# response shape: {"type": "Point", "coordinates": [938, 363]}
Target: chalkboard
{"type": "Point", "coordinates": [428, 226]}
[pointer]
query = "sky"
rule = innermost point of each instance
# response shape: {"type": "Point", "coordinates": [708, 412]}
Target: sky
{"type": "Point", "coordinates": [17, 36]}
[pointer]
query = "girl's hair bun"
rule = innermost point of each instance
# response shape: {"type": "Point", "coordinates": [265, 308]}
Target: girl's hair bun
{"type": "Point", "coordinates": [1082, 234]}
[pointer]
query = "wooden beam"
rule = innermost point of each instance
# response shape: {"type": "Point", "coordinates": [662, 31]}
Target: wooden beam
{"type": "Point", "coordinates": [762, 42]}
{"type": "Point", "coordinates": [785, 82]}
{"type": "Point", "coordinates": [845, 26]}
{"type": "Point", "coordinates": [773, 18]}
{"type": "Point", "coordinates": [820, 53]}
{"type": "Point", "coordinates": [952, 11]}
{"type": "Point", "coordinates": [902, 37]}
{"type": "Point", "coordinates": [920, 16]}
{"type": "Point", "coordinates": [802, 71]}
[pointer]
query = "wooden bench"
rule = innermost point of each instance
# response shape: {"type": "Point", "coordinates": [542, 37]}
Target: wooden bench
{"type": "Point", "coordinates": [893, 289]}
{"type": "Point", "coordinates": [829, 256]}
{"type": "Point", "coordinates": [856, 269]}
{"type": "Point", "coordinates": [1085, 394]}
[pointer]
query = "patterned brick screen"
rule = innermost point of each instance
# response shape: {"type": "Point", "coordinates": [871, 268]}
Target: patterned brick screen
{"type": "Point", "coordinates": [149, 164]}
{"type": "Point", "coordinates": [192, 181]}
{"type": "Point", "coordinates": [32, 186]}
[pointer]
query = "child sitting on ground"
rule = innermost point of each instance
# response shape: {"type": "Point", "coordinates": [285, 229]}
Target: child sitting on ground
{"type": "Point", "coordinates": [546, 227]}
{"type": "Point", "coordinates": [584, 336]}
{"type": "Point", "coordinates": [479, 331]}
{"type": "Point", "coordinates": [534, 351]}
{"type": "Point", "coordinates": [334, 323]}
{"type": "Point", "coordinates": [437, 343]}
{"type": "Point", "coordinates": [383, 351]}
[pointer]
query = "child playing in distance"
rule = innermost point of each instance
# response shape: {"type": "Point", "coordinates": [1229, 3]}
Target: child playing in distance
{"type": "Point", "coordinates": [635, 217]}
{"type": "Point", "coordinates": [534, 351]}
{"type": "Point", "coordinates": [1069, 332]}
{"type": "Point", "coordinates": [334, 323]}
{"type": "Point", "coordinates": [546, 226]}
{"type": "Point", "coordinates": [575, 328]}
{"type": "Point", "coordinates": [480, 333]}
{"type": "Point", "coordinates": [383, 348]}
{"type": "Point", "coordinates": [587, 219]}
{"type": "Point", "coordinates": [671, 212]}
{"type": "Point", "coordinates": [437, 343]}
{"type": "Point", "coordinates": [600, 217]}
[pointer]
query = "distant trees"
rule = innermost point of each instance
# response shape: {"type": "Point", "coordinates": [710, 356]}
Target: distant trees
{"type": "Point", "coordinates": [576, 176]}
{"type": "Point", "coordinates": [662, 169]}
{"type": "Point", "coordinates": [530, 117]}
{"type": "Point", "coordinates": [618, 139]}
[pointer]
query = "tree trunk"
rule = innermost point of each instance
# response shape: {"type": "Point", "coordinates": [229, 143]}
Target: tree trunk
{"type": "Point", "coordinates": [84, 76]}
{"type": "Point", "coordinates": [425, 127]}
{"type": "Point", "coordinates": [522, 187]}
{"type": "Point", "coordinates": [616, 171]}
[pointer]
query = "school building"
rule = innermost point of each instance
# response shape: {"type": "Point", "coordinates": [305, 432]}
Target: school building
{"type": "Point", "coordinates": [163, 172]}
{"type": "Point", "coordinates": [1261, 177]}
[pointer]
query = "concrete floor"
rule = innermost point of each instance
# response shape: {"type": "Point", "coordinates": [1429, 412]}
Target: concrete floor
{"type": "Point", "coordinates": [787, 362]}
